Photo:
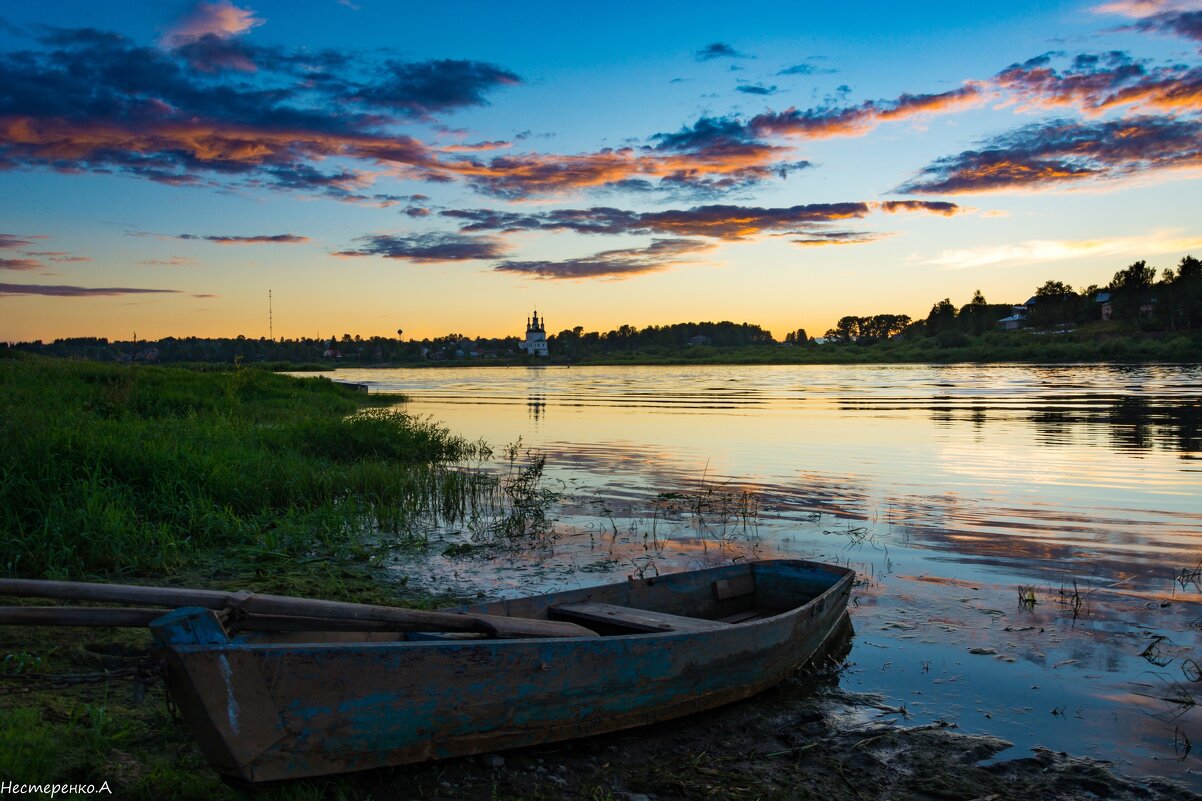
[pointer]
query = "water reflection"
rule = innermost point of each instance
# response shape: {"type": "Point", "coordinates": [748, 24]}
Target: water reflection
{"type": "Point", "coordinates": [537, 404]}
{"type": "Point", "coordinates": [1151, 423]}
{"type": "Point", "coordinates": [947, 489]}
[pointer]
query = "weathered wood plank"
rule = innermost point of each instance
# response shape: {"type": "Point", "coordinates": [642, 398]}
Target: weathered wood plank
{"type": "Point", "coordinates": [637, 619]}
{"type": "Point", "coordinates": [747, 615]}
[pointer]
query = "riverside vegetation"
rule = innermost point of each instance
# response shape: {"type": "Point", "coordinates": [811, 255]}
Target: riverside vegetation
{"type": "Point", "coordinates": [228, 479]}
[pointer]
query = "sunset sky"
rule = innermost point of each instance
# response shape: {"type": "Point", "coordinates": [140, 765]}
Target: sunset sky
{"type": "Point", "coordinates": [447, 168]}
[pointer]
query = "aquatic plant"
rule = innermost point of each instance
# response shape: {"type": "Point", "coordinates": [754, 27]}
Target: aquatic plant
{"type": "Point", "coordinates": [512, 510]}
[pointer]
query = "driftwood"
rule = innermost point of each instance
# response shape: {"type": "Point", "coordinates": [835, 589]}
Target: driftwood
{"type": "Point", "coordinates": [387, 618]}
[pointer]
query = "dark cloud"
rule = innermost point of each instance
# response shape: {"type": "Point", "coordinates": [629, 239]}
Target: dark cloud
{"type": "Point", "coordinates": [428, 248]}
{"type": "Point", "coordinates": [718, 50]}
{"type": "Point", "coordinates": [756, 89]}
{"type": "Point", "coordinates": [708, 133]}
{"type": "Point", "coordinates": [1187, 24]}
{"type": "Point", "coordinates": [303, 177]}
{"type": "Point", "coordinates": [12, 241]}
{"type": "Point", "coordinates": [63, 291]}
{"type": "Point", "coordinates": [805, 69]}
{"type": "Point", "coordinates": [612, 264]}
{"type": "Point", "coordinates": [838, 238]}
{"type": "Point", "coordinates": [259, 239]}
{"type": "Point", "coordinates": [598, 220]}
{"type": "Point", "coordinates": [20, 264]}
{"type": "Point", "coordinates": [57, 255]}
{"type": "Point", "coordinates": [422, 89]}
{"type": "Point", "coordinates": [1059, 152]}
{"type": "Point", "coordinates": [95, 101]}
{"type": "Point", "coordinates": [715, 221]}
{"type": "Point", "coordinates": [212, 53]}
{"type": "Point", "coordinates": [941, 207]}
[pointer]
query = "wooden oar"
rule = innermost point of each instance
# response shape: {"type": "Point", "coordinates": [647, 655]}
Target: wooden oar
{"type": "Point", "coordinates": [77, 616]}
{"type": "Point", "coordinates": [398, 619]}
{"type": "Point", "coordinates": [131, 617]}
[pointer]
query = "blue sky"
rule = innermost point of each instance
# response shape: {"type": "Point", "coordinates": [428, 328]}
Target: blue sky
{"type": "Point", "coordinates": [383, 165]}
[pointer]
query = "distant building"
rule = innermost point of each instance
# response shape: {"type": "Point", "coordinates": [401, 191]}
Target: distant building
{"type": "Point", "coordinates": [1105, 307]}
{"type": "Point", "coordinates": [536, 336]}
{"type": "Point", "coordinates": [1018, 319]}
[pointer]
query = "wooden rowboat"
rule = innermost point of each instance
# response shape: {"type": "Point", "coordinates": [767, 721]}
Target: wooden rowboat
{"type": "Point", "coordinates": [283, 705]}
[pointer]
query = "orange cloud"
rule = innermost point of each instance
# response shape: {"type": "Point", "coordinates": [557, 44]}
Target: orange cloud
{"type": "Point", "coordinates": [222, 19]}
{"type": "Point", "coordinates": [859, 120]}
{"type": "Point", "coordinates": [1145, 8]}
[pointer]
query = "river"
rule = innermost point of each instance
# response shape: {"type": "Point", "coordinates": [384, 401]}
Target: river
{"type": "Point", "coordinates": [1028, 538]}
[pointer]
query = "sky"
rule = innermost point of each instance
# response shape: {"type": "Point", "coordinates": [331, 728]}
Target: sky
{"type": "Point", "coordinates": [381, 166]}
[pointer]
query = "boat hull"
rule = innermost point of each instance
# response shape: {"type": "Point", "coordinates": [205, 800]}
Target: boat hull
{"type": "Point", "coordinates": [267, 711]}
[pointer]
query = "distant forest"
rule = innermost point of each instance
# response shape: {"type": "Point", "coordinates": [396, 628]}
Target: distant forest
{"type": "Point", "coordinates": [1136, 302]}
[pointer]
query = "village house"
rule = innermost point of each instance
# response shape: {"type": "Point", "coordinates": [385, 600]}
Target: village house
{"type": "Point", "coordinates": [1018, 317]}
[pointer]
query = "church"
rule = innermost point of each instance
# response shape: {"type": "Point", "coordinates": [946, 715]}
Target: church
{"type": "Point", "coordinates": [536, 336]}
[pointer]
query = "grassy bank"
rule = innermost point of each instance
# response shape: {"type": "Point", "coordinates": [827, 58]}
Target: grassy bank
{"type": "Point", "coordinates": [118, 470]}
{"type": "Point", "coordinates": [227, 479]}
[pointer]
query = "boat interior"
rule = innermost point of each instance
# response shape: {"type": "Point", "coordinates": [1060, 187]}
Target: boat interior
{"type": "Point", "coordinates": [698, 601]}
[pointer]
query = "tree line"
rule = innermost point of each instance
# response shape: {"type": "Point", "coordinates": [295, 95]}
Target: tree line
{"type": "Point", "coordinates": [1136, 295]}
{"type": "Point", "coordinates": [1136, 298]}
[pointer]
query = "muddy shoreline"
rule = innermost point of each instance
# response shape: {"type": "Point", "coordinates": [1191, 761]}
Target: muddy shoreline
{"type": "Point", "coordinates": [805, 739]}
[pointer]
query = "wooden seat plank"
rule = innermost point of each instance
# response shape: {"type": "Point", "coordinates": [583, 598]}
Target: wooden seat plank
{"type": "Point", "coordinates": [749, 615]}
{"type": "Point", "coordinates": [631, 618]}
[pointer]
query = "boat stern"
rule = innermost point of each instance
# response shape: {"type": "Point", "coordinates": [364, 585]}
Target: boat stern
{"type": "Point", "coordinates": [218, 689]}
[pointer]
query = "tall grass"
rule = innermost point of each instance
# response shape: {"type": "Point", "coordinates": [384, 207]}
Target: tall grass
{"type": "Point", "coordinates": [131, 469]}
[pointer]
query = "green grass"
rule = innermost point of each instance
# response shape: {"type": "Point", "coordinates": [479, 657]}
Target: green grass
{"type": "Point", "coordinates": [108, 470]}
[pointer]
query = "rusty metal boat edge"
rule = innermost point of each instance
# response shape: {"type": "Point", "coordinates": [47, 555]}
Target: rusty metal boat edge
{"type": "Point", "coordinates": [266, 708]}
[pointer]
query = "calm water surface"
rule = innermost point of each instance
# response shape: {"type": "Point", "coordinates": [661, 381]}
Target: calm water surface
{"type": "Point", "coordinates": [947, 488]}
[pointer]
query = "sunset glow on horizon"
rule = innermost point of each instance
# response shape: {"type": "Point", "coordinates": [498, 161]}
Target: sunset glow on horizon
{"type": "Point", "coordinates": [381, 167]}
